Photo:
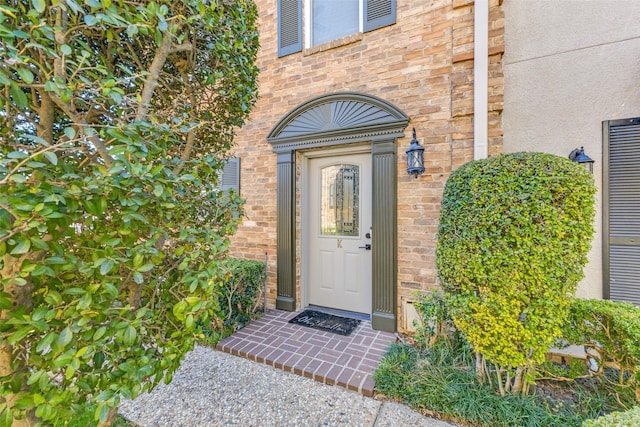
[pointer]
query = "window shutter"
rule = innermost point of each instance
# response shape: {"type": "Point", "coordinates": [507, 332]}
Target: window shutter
{"type": "Point", "coordinates": [622, 191]}
{"type": "Point", "coordinates": [378, 14]}
{"type": "Point", "coordinates": [230, 179]}
{"type": "Point", "coordinates": [289, 27]}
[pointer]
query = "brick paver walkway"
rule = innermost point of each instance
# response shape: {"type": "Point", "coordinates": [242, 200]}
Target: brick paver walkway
{"type": "Point", "coordinates": [326, 357]}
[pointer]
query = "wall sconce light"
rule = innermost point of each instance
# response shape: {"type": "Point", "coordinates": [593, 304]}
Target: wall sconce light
{"type": "Point", "coordinates": [415, 157]}
{"type": "Point", "coordinates": [578, 156]}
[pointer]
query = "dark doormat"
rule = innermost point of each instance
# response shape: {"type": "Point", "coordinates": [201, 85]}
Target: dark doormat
{"type": "Point", "coordinates": [326, 322]}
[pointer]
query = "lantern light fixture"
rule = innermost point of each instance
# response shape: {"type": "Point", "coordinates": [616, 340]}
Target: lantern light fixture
{"type": "Point", "coordinates": [415, 157]}
{"type": "Point", "coordinates": [580, 157]}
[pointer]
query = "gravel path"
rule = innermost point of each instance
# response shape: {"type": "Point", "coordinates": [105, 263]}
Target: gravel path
{"type": "Point", "coordinates": [212, 388]}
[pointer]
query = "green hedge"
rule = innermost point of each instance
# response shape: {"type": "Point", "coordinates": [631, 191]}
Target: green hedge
{"type": "Point", "coordinates": [612, 330]}
{"type": "Point", "coordinates": [629, 418]}
{"type": "Point", "coordinates": [241, 298]}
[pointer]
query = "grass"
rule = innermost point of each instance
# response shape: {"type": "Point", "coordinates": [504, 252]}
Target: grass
{"type": "Point", "coordinates": [441, 381]}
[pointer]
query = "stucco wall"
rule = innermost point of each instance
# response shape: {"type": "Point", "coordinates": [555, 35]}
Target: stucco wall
{"type": "Point", "coordinates": [568, 66]}
{"type": "Point", "coordinates": [423, 65]}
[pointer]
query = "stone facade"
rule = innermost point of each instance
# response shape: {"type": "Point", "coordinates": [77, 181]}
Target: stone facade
{"type": "Point", "coordinates": [423, 65]}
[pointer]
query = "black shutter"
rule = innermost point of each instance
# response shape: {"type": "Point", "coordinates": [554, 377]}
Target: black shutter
{"type": "Point", "coordinates": [289, 26]}
{"type": "Point", "coordinates": [622, 210]}
{"type": "Point", "coordinates": [378, 14]}
{"type": "Point", "coordinates": [230, 179]}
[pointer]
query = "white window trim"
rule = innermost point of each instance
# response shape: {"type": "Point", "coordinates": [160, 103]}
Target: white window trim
{"type": "Point", "coordinates": [306, 8]}
{"type": "Point", "coordinates": [306, 12]}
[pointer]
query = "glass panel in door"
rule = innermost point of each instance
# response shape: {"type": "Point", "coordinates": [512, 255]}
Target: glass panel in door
{"type": "Point", "coordinates": [340, 200]}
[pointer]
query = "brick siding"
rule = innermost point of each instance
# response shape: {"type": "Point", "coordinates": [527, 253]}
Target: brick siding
{"type": "Point", "coordinates": [423, 65]}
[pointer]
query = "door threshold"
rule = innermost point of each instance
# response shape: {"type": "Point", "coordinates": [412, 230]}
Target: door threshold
{"type": "Point", "coordinates": [337, 312]}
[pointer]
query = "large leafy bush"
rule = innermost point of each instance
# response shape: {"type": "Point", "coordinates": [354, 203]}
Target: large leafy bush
{"type": "Point", "coordinates": [116, 120]}
{"type": "Point", "coordinates": [512, 243]}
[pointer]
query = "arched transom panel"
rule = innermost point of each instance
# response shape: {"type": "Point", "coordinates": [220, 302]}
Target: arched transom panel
{"type": "Point", "coordinates": [337, 118]}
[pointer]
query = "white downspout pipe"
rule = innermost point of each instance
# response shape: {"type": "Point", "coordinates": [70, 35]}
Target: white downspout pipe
{"type": "Point", "coordinates": [480, 79]}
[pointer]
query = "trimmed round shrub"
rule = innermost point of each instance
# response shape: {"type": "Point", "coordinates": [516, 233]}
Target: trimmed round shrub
{"type": "Point", "coordinates": [513, 238]}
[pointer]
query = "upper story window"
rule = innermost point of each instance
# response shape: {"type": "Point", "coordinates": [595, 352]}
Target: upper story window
{"type": "Point", "coordinates": [328, 20]}
{"type": "Point", "coordinates": [333, 19]}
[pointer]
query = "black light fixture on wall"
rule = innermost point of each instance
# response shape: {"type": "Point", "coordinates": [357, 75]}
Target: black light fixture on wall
{"type": "Point", "coordinates": [580, 157]}
{"type": "Point", "coordinates": [415, 157]}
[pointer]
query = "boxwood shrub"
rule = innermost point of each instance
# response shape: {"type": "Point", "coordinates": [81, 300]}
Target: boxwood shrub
{"type": "Point", "coordinates": [242, 291]}
{"type": "Point", "coordinates": [513, 238]}
{"type": "Point", "coordinates": [610, 331]}
{"type": "Point", "coordinates": [434, 321]}
{"type": "Point", "coordinates": [241, 299]}
{"type": "Point", "coordinates": [630, 418]}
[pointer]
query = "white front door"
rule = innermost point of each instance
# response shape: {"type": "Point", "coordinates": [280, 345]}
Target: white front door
{"type": "Point", "coordinates": [340, 232]}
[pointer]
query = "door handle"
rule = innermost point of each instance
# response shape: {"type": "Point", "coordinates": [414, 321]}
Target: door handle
{"type": "Point", "coordinates": [367, 247]}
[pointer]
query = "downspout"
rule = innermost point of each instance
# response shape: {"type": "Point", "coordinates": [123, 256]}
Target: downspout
{"type": "Point", "coordinates": [264, 288]}
{"type": "Point", "coordinates": [480, 79]}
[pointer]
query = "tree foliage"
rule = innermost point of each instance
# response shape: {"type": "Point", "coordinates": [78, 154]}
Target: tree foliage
{"type": "Point", "coordinates": [512, 244]}
{"type": "Point", "coordinates": [116, 120]}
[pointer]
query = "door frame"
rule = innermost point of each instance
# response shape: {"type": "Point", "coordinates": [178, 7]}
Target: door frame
{"type": "Point", "coordinates": [305, 229]}
{"type": "Point", "coordinates": [329, 121]}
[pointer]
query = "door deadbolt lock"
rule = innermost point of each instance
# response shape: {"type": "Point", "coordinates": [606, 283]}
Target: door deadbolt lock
{"type": "Point", "coordinates": [367, 247]}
